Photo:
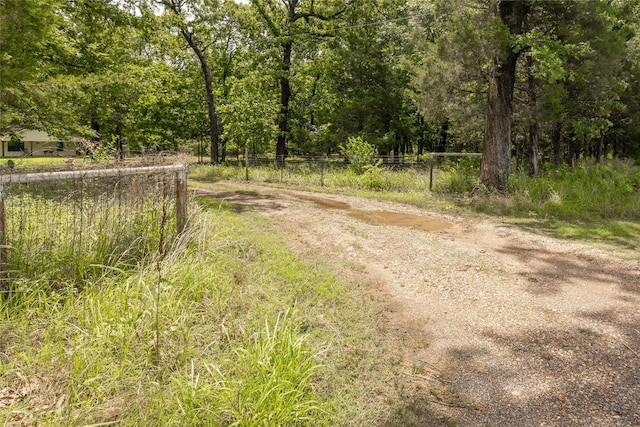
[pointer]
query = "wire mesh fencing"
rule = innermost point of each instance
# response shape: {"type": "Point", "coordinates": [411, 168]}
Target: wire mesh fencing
{"type": "Point", "coordinates": [333, 169]}
{"type": "Point", "coordinates": [71, 226]}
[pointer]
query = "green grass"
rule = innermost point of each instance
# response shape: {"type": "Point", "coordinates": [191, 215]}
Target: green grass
{"type": "Point", "coordinates": [225, 304]}
{"type": "Point", "coordinates": [228, 327]}
{"type": "Point", "coordinates": [593, 192]}
{"type": "Point", "coordinates": [598, 203]}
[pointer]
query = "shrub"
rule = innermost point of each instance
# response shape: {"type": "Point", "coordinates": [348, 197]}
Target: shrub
{"type": "Point", "coordinates": [359, 153]}
{"type": "Point", "coordinates": [461, 178]}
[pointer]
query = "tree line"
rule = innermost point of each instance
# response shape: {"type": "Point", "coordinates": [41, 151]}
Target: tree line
{"type": "Point", "coordinates": [531, 80]}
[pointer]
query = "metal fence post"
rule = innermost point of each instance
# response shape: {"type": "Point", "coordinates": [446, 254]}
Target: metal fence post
{"type": "Point", "coordinates": [246, 162]}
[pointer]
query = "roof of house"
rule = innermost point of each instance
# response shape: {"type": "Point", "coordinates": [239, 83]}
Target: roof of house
{"type": "Point", "coordinates": [29, 135]}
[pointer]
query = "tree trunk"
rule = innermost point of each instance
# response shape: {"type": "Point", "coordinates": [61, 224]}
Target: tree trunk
{"type": "Point", "coordinates": [532, 94]}
{"type": "Point", "coordinates": [444, 132]}
{"type": "Point", "coordinates": [119, 146]}
{"type": "Point", "coordinates": [599, 149]}
{"type": "Point", "coordinates": [226, 72]}
{"type": "Point", "coordinates": [206, 73]}
{"type": "Point", "coordinates": [496, 154]}
{"type": "Point", "coordinates": [533, 149]}
{"type": "Point", "coordinates": [422, 138]}
{"type": "Point", "coordinates": [314, 90]}
{"type": "Point", "coordinates": [571, 152]}
{"type": "Point", "coordinates": [285, 96]}
{"type": "Point", "coordinates": [556, 136]}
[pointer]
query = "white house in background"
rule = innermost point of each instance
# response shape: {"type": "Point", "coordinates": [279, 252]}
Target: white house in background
{"type": "Point", "coordinates": [34, 143]}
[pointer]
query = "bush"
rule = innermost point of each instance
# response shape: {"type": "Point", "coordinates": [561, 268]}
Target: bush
{"type": "Point", "coordinates": [359, 153]}
{"type": "Point", "coordinates": [461, 178]}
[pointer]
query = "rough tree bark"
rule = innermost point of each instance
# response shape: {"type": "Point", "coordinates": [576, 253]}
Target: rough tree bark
{"type": "Point", "coordinates": [556, 135]}
{"type": "Point", "coordinates": [496, 155]}
{"type": "Point", "coordinates": [533, 120]}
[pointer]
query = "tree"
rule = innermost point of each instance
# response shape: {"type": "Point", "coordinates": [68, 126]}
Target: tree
{"type": "Point", "coordinates": [572, 63]}
{"type": "Point", "coordinates": [455, 47]}
{"type": "Point", "coordinates": [31, 48]}
{"type": "Point", "coordinates": [69, 67]}
{"type": "Point", "coordinates": [193, 18]}
{"type": "Point", "coordinates": [365, 78]}
{"type": "Point", "coordinates": [495, 167]}
{"type": "Point", "coordinates": [554, 68]}
{"type": "Point", "coordinates": [286, 21]}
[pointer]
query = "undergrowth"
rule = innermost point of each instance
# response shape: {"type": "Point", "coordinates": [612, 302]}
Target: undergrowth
{"type": "Point", "coordinates": [224, 327]}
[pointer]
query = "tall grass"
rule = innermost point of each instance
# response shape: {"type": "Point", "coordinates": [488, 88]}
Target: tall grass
{"type": "Point", "coordinates": [237, 345]}
{"type": "Point", "coordinates": [591, 192]}
{"type": "Point", "coordinates": [330, 176]}
{"type": "Point", "coordinates": [65, 242]}
{"type": "Point", "coordinates": [595, 202]}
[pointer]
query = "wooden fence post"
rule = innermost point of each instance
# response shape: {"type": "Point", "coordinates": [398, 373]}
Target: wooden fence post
{"type": "Point", "coordinates": [430, 172]}
{"type": "Point", "coordinates": [4, 286]}
{"type": "Point", "coordinates": [181, 200]}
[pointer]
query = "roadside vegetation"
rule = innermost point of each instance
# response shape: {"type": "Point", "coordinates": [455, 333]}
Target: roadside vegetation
{"type": "Point", "coordinates": [594, 202]}
{"type": "Point", "coordinates": [222, 325]}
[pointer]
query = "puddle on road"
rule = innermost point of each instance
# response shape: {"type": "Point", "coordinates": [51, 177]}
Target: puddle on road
{"type": "Point", "coordinates": [417, 222]}
{"type": "Point", "coordinates": [400, 219]}
{"type": "Point", "coordinates": [327, 203]}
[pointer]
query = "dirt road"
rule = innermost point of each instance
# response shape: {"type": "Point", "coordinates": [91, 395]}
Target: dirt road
{"type": "Point", "coordinates": [528, 330]}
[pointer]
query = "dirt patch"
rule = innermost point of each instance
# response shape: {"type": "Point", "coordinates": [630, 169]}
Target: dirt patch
{"type": "Point", "coordinates": [418, 222]}
{"type": "Point", "coordinates": [501, 326]}
{"type": "Point", "coordinates": [327, 203]}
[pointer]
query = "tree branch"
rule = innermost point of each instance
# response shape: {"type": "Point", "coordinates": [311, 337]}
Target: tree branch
{"type": "Point", "coordinates": [274, 29]}
{"type": "Point", "coordinates": [312, 14]}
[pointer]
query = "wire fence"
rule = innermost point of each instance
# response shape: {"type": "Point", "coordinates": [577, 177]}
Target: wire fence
{"type": "Point", "coordinates": [73, 223]}
{"type": "Point", "coordinates": [409, 160]}
{"type": "Point", "coordinates": [321, 166]}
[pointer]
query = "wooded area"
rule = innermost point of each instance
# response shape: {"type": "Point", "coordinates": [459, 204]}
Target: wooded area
{"type": "Point", "coordinates": [536, 81]}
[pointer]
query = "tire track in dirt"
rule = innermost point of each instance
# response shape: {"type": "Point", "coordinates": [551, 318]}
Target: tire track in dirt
{"type": "Point", "coordinates": [529, 330]}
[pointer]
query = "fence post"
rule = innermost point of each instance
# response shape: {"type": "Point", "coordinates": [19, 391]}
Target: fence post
{"type": "Point", "coordinates": [246, 162]}
{"type": "Point", "coordinates": [181, 200]}
{"type": "Point", "coordinates": [430, 172]}
{"type": "Point", "coordinates": [3, 243]}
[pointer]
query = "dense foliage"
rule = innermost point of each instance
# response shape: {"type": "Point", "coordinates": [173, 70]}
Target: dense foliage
{"type": "Point", "coordinates": [301, 77]}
